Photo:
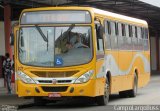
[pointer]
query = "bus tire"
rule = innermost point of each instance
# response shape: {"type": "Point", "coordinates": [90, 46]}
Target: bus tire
{"type": "Point", "coordinates": [123, 94]}
{"type": "Point", "coordinates": [103, 100]}
{"type": "Point", "coordinates": [133, 92]}
{"type": "Point", "coordinates": [39, 101]}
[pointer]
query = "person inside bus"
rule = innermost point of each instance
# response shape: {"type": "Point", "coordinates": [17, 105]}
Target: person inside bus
{"type": "Point", "coordinates": [78, 43]}
{"type": "Point", "coordinates": [69, 46]}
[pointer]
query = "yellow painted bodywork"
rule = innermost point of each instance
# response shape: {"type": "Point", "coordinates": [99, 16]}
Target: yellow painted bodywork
{"type": "Point", "coordinates": [125, 82]}
{"type": "Point", "coordinates": [85, 89]}
{"type": "Point", "coordinates": [95, 86]}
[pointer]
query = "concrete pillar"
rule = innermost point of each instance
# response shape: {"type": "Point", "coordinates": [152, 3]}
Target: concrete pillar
{"type": "Point", "coordinates": [7, 28]}
{"type": "Point", "coordinates": [157, 51]}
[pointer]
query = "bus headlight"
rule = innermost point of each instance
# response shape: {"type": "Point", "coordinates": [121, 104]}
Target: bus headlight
{"type": "Point", "coordinates": [85, 77]}
{"type": "Point", "coordinates": [25, 78]}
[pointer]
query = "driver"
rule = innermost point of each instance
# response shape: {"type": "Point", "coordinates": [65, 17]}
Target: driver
{"type": "Point", "coordinates": [69, 45]}
{"type": "Point", "coordinates": [79, 43]}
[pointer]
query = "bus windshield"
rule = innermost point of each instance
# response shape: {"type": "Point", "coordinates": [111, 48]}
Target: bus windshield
{"type": "Point", "coordinates": [55, 46]}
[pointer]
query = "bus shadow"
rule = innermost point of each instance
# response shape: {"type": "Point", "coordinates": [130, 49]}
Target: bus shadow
{"type": "Point", "coordinates": [66, 104]}
{"type": "Point", "coordinates": [73, 103]}
{"type": "Point", "coordinates": [116, 97]}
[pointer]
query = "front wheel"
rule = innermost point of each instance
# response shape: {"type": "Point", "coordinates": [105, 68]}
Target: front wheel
{"type": "Point", "coordinates": [103, 100]}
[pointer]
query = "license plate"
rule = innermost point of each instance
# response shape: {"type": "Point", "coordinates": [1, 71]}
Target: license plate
{"type": "Point", "coordinates": [54, 95]}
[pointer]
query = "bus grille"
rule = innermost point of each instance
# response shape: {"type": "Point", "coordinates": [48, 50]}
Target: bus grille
{"type": "Point", "coordinates": [54, 74]}
{"type": "Point", "coordinates": [55, 89]}
{"type": "Point", "coordinates": [50, 81]}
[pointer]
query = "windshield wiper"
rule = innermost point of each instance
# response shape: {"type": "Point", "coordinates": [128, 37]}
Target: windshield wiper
{"type": "Point", "coordinates": [47, 41]}
{"type": "Point", "coordinates": [70, 27]}
{"type": "Point", "coordinates": [41, 33]}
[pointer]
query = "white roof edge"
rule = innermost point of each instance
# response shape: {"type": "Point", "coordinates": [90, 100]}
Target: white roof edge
{"type": "Point", "coordinates": [131, 19]}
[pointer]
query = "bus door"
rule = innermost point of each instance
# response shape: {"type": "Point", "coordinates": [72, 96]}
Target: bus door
{"type": "Point", "coordinates": [100, 63]}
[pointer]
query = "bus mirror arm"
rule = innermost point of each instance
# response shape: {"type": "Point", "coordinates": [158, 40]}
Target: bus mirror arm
{"type": "Point", "coordinates": [22, 41]}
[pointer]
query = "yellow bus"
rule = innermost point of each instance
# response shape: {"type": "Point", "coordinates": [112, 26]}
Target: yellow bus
{"type": "Point", "coordinates": [63, 52]}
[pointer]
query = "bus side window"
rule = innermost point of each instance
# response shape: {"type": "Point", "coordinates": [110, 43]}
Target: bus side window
{"type": "Point", "coordinates": [129, 37]}
{"type": "Point", "coordinates": [142, 32]}
{"type": "Point", "coordinates": [130, 31]}
{"type": "Point", "coordinates": [127, 30]}
{"type": "Point", "coordinates": [107, 35]}
{"type": "Point", "coordinates": [139, 32]}
{"type": "Point", "coordinates": [100, 43]}
{"type": "Point", "coordinates": [140, 41]}
{"type": "Point", "coordinates": [123, 29]}
{"type": "Point", "coordinates": [146, 44]}
{"type": "Point", "coordinates": [142, 37]}
{"type": "Point", "coordinates": [136, 35]}
{"type": "Point", "coordinates": [113, 36]}
{"type": "Point", "coordinates": [108, 28]}
{"type": "Point", "coordinates": [124, 36]}
{"type": "Point", "coordinates": [135, 38]}
{"type": "Point", "coordinates": [116, 29]}
{"type": "Point", "coordinates": [120, 39]}
{"type": "Point", "coordinates": [113, 28]}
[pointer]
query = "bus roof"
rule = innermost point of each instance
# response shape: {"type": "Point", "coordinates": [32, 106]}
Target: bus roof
{"type": "Point", "coordinates": [119, 16]}
{"type": "Point", "coordinates": [95, 10]}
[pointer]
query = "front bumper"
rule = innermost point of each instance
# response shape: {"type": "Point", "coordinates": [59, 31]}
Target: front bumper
{"type": "Point", "coordinates": [92, 88]}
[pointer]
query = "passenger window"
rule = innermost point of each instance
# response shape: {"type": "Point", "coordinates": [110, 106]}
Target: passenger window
{"type": "Point", "coordinates": [139, 32]}
{"type": "Point", "coordinates": [116, 29]}
{"type": "Point", "coordinates": [112, 28]}
{"type": "Point", "coordinates": [100, 43]}
{"type": "Point", "coordinates": [120, 29]}
{"type": "Point", "coordinates": [146, 44]}
{"type": "Point", "coordinates": [146, 33]}
{"type": "Point", "coordinates": [107, 40]}
{"type": "Point", "coordinates": [130, 31]}
{"type": "Point", "coordinates": [136, 35]}
{"type": "Point", "coordinates": [109, 28]}
{"type": "Point", "coordinates": [123, 30]}
{"type": "Point", "coordinates": [142, 33]}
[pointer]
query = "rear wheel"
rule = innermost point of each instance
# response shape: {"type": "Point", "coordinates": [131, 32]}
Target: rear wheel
{"type": "Point", "coordinates": [103, 100]}
{"type": "Point", "coordinates": [123, 94]}
{"type": "Point", "coordinates": [133, 92]}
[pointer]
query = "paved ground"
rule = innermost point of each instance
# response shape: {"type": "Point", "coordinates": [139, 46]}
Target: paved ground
{"type": "Point", "coordinates": [149, 95]}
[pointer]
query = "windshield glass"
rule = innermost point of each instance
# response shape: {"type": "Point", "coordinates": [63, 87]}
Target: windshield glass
{"type": "Point", "coordinates": [55, 46]}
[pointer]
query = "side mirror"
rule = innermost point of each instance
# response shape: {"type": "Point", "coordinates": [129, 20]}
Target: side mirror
{"type": "Point", "coordinates": [13, 33]}
{"type": "Point", "coordinates": [22, 41]}
{"type": "Point", "coordinates": [21, 38]}
{"type": "Point", "coordinates": [11, 39]}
